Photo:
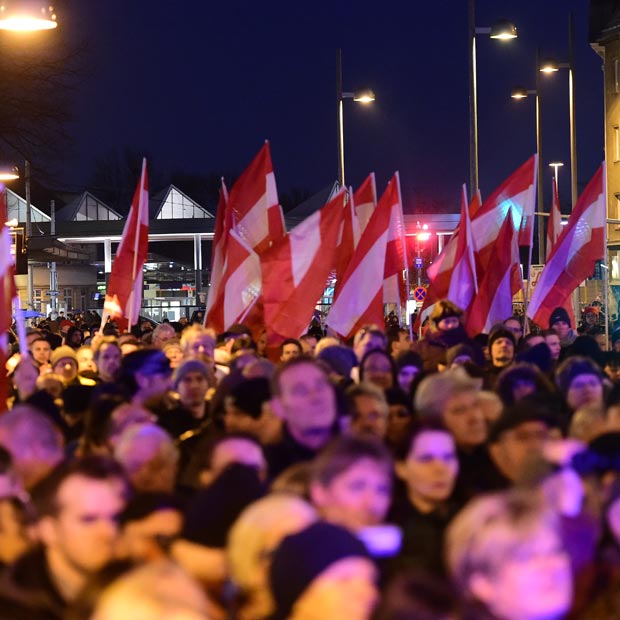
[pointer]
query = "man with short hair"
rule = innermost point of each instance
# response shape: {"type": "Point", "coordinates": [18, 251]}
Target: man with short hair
{"type": "Point", "coordinates": [308, 344]}
{"type": "Point", "coordinates": [146, 375]}
{"type": "Point", "coordinates": [398, 341]}
{"type": "Point", "coordinates": [35, 444]}
{"type": "Point", "coordinates": [501, 345]}
{"type": "Point", "coordinates": [108, 356]}
{"type": "Point", "coordinates": [369, 410]}
{"type": "Point", "coordinates": [518, 436]}
{"type": "Point", "coordinates": [368, 338]}
{"type": "Point", "coordinates": [161, 334]}
{"type": "Point", "coordinates": [41, 350]}
{"type": "Point", "coordinates": [305, 400]}
{"type": "Point", "coordinates": [290, 349]}
{"type": "Point", "coordinates": [191, 383]}
{"type": "Point", "coordinates": [78, 509]}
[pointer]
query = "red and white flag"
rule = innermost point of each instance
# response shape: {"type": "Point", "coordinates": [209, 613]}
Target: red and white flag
{"type": "Point", "coordinates": [554, 226]}
{"type": "Point", "coordinates": [123, 297]}
{"type": "Point", "coordinates": [500, 283]}
{"type": "Point", "coordinates": [223, 224]}
{"type": "Point", "coordinates": [296, 268]}
{"type": "Point", "coordinates": [475, 204]}
{"type": "Point", "coordinates": [515, 197]}
{"type": "Point", "coordinates": [396, 263]}
{"type": "Point", "coordinates": [8, 293]}
{"type": "Point", "coordinates": [574, 256]}
{"type": "Point", "coordinates": [254, 203]}
{"type": "Point", "coordinates": [347, 241]}
{"type": "Point", "coordinates": [463, 286]}
{"type": "Point", "coordinates": [240, 286]}
{"type": "Point", "coordinates": [365, 201]}
{"type": "Point", "coordinates": [360, 298]}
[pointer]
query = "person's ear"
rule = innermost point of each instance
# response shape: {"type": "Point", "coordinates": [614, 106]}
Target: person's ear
{"type": "Point", "coordinates": [276, 407]}
{"type": "Point", "coordinates": [400, 467]}
{"type": "Point", "coordinates": [482, 588]}
{"type": "Point", "coordinates": [318, 494]}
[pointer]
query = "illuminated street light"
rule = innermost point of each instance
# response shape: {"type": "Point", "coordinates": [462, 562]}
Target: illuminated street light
{"type": "Point", "coordinates": [551, 66]}
{"type": "Point", "coordinates": [555, 165]}
{"type": "Point", "coordinates": [502, 30]}
{"type": "Point", "coordinates": [362, 95]}
{"type": "Point", "coordinates": [519, 94]}
{"type": "Point", "coordinates": [27, 15]}
{"type": "Point", "coordinates": [8, 172]}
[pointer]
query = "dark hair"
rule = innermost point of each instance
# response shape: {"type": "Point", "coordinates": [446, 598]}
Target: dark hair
{"type": "Point", "coordinates": [100, 468]}
{"type": "Point", "coordinates": [521, 371]}
{"type": "Point", "coordinates": [98, 421]}
{"type": "Point", "coordinates": [387, 356]}
{"type": "Point", "coordinates": [242, 342]}
{"type": "Point", "coordinates": [343, 452]}
{"type": "Point", "coordinates": [290, 341]}
{"type": "Point", "coordinates": [430, 424]}
{"type": "Point", "coordinates": [138, 361]}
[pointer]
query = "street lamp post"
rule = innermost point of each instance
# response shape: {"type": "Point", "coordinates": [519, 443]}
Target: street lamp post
{"type": "Point", "coordinates": [518, 94]}
{"type": "Point", "coordinates": [362, 95]}
{"type": "Point", "coordinates": [504, 31]}
{"type": "Point", "coordinates": [551, 66]}
{"type": "Point", "coordinates": [27, 16]}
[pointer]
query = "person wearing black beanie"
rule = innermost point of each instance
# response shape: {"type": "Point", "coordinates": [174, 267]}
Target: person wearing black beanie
{"type": "Point", "coordinates": [323, 573]}
{"type": "Point", "coordinates": [560, 322]}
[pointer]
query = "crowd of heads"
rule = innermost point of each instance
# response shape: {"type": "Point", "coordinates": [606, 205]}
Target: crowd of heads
{"type": "Point", "coordinates": [176, 472]}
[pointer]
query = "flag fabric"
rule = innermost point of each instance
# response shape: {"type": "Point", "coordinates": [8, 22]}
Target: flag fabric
{"type": "Point", "coordinates": [296, 268]}
{"type": "Point", "coordinates": [240, 286]}
{"type": "Point", "coordinates": [123, 297]}
{"type": "Point", "coordinates": [8, 293]}
{"type": "Point", "coordinates": [463, 286]}
{"type": "Point", "coordinates": [573, 258]}
{"type": "Point", "coordinates": [347, 241]}
{"type": "Point", "coordinates": [360, 297]}
{"type": "Point", "coordinates": [475, 204]}
{"type": "Point", "coordinates": [554, 227]}
{"type": "Point", "coordinates": [254, 203]}
{"type": "Point", "coordinates": [396, 263]}
{"type": "Point", "coordinates": [365, 201]}
{"type": "Point", "coordinates": [493, 303]}
{"type": "Point", "coordinates": [223, 224]}
{"type": "Point", "coordinates": [515, 196]}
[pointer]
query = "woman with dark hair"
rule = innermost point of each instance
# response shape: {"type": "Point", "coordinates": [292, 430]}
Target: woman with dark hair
{"type": "Point", "coordinates": [378, 367]}
{"type": "Point", "coordinates": [428, 467]}
{"type": "Point", "coordinates": [520, 380]}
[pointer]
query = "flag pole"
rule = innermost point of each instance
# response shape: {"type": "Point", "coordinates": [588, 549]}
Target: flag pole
{"type": "Point", "coordinates": [403, 241]}
{"type": "Point", "coordinates": [606, 256]}
{"type": "Point", "coordinates": [526, 297]}
{"type": "Point", "coordinates": [136, 245]}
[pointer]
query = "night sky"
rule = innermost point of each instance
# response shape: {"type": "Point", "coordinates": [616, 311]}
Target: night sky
{"type": "Point", "coordinates": [198, 86]}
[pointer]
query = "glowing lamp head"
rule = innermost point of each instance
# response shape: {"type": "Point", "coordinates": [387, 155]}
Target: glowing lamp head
{"type": "Point", "coordinates": [27, 15]}
{"type": "Point", "coordinates": [549, 66]}
{"type": "Point", "coordinates": [364, 95]}
{"type": "Point", "coordinates": [503, 30]}
{"type": "Point", "coordinates": [519, 93]}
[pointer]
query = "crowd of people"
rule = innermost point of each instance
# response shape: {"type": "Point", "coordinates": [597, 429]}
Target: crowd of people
{"type": "Point", "coordinates": [176, 473]}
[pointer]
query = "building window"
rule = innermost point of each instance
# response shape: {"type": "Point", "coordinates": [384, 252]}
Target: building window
{"type": "Point", "coordinates": [616, 143]}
